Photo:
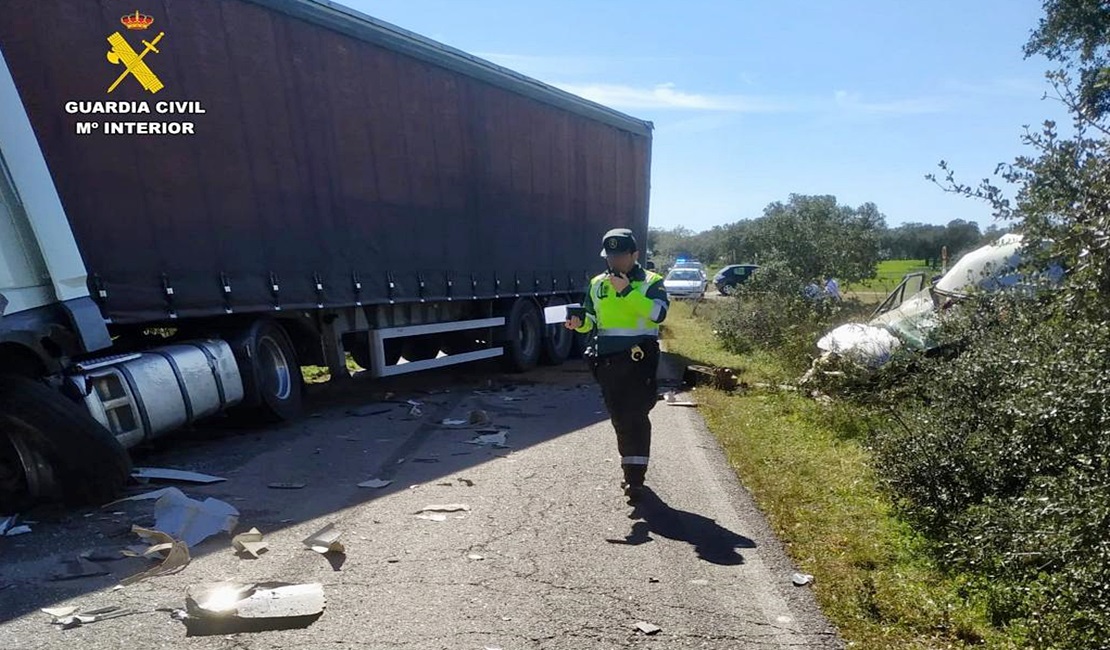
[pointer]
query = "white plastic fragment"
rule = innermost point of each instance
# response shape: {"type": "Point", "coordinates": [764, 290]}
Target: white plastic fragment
{"type": "Point", "coordinates": [801, 579]}
{"type": "Point", "coordinates": [376, 483]}
{"type": "Point", "coordinates": [165, 474]}
{"type": "Point", "coordinates": [325, 540]}
{"type": "Point", "coordinates": [193, 521]}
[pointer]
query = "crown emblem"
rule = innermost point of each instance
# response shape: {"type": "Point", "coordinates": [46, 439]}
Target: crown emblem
{"type": "Point", "coordinates": [137, 20]}
{"type": "Point", "coordinates": [613, 242]}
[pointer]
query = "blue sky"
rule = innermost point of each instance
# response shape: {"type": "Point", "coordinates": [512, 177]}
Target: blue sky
{"type": "Point", "coordinates": [753, 100]}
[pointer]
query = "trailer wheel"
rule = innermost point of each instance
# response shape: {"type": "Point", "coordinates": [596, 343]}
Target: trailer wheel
{"type": "Point", "coordinates": [557, 340]}
{"type": "Point", "coordinates": [524, 334]}
{"type": "Point", "coordinates": [50, 447]}
{"type": "Point", "coordinates": [272, 378]}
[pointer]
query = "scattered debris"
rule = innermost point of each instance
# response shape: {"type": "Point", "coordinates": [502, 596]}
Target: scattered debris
{"type": "Point", "coordinates": [70, 617]}
{"type": "Point", "coordinates": [415, 411]}
{"type": "Point", "coordinates": [249, 543]}
{"type": "Point", "coordinates": [325, 540]}
{"type": "Point", "coordinates": [193, 521]}
{"type": "Point", "coordinates": [448, 507]}
{"type": "Point", "coordinates": [230, 608]}
{"type": "Point", "coordinates": [287, 486]}
{"type": "Point", "coordinates": [376, 483]}
{"type": "Point", "coordinates": [145, 496]}
{"type": "Point", "coordinates": [720, 378]}
{"type": "Point", "coordinates": [8, 527]}
{"type": "Point", "coordinates": [432, 516]}
{"type": "Point", "coordinates": [453, 422]}
{"type": "Point", "coordinates": [366, 414]}
{"type": "Point", "coordinates": [653, 580]}
{"type": "Point", "coordinates": [177, 554]}
{"type": "Point", "coordinates": [78, 568]}
{"type": "Point", "coordinates": [465, 481]}
{"type": "Point", "coordinates": [144, 474]}
{"type": "Point", "coordinates": [490, 439]}
{"type": "Point", "coordinates": [648, 628]}
{"type": "Point", "coordinates": [672, 400]}
{"type": "Point", "coordinates": [801, 579]}
{"type": "Point", "coordinates": [478, 417]}
{"type": "Point", "coordinates": [476, 557]}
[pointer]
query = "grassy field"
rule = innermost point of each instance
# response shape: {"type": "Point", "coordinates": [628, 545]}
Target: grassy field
{"type": "Point", "coordinates": [888, 276]}
{"type": "Point", "coordinates": [809, 470]}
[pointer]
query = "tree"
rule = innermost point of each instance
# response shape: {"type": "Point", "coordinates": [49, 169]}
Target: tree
{"type": "Point", "coordinates": [1076, 33]}
{"type": "Point", "coordinates": [814, 237]}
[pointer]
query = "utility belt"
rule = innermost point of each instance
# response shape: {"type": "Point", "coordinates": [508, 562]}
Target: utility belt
{"type": "Point", "coordinates": [644, 349]}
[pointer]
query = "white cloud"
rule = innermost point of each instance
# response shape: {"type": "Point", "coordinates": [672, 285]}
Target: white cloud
{"type": "Point", "coordinates": [667, 96]}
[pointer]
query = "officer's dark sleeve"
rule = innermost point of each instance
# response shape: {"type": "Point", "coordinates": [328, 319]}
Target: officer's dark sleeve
{"type": "Point", "coordinates": [651, 304]}
{"type": "Point", "coordinates": [590, 321]}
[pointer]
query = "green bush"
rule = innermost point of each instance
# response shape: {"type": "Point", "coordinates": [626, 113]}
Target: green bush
{"type": "Point", "coordinates": [1002, 456]}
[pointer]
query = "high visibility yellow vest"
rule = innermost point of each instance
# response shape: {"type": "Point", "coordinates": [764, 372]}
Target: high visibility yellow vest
{"type": "Point", "coordinates": [628, 316]}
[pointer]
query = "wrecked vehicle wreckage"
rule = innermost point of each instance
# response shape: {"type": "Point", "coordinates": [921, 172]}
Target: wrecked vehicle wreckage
{"type": "Point", "coordinates": [908, 319]}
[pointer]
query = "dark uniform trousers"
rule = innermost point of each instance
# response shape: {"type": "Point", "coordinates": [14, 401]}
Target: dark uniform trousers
{"type": "Point", "coordinates": [630, 391]}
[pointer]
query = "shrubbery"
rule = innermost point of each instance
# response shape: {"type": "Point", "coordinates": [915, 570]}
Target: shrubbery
{"type": "Point", "coordinates": [1002, 456]}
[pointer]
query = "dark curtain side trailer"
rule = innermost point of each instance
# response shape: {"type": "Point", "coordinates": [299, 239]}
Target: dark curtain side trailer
{"type": "Point", "coordinates": [278, 182]}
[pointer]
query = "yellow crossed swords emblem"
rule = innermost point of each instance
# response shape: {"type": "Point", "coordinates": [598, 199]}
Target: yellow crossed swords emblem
{"type": "Point", "coordinates": [122, 52]}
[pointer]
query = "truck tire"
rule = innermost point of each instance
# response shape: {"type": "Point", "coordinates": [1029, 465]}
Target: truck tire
{"type": "Point", "coordinates": [524, 334]}
{"type": "Point", "coordinates": [557, 340]}
{"type": "Point", "coordinates": [50, 447]}
{"type": "Point", "coordinates": [272, 379]}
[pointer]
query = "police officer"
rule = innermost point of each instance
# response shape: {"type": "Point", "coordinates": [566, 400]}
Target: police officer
{"type": "Point", "coordinates": [624, 308]}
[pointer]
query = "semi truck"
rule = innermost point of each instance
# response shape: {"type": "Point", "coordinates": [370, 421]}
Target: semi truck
{"type": "Point", "coordinates": [199, 197]}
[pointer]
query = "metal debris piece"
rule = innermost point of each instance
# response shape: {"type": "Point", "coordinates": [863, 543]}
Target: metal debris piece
{"type": "Point", "coordinates": [145, 496]}
{"type": "Point", "coordinates": [74, 617]}
{"type": "Point", "coordinates": [376, 483]}
{"type": "Point", "coordinates": [452, 422]}
{"type": "Point", "coordinates": [648, 628]}
{"type": "Point", "coordinates": [801, 579]}
{"type": "Point", "coordinates": [249, 543]}
{"type": "Point", "coordinates": [286, 486]}
{"type": "Point", "coordinates": [177, 554]}
{"type": "Point", "coordinates": [8, 523]}
{"type": "Point", "coordinates": [79, 568]}
{"type": "Point", "coordinates": [325, 540]}
{"type": "Point", "coordinates": [653, 580]}
{"type": "Point", "coordinates": [18, 530]}
{"type": "Point", "coordinates": [465, 481]}
{"type": "Point", "coordinates": [416, 412]}
{"type": "Point", "coordinates": [193, 521]}
{"type": "Point", "coordinates": [432, 516]}
{"type": "Point", "coordinates": [230, 608]}
{"type": "Point", "coordinates": [164, 474]}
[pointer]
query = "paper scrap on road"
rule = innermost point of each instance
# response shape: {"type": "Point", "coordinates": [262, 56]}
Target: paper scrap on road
{"type": "Point", "coordinates": [164, 474]}
{"type": "Point", "coordinates": [176, 558]}
{"type": "Point", "coordinates": [648, 628]}
{"type": "Point", "coordinates": [249, 543]}
{"type": "Point", "coordinates": [286, 486]}
{"type": "Point", "coordinates": [490, 439]}
{"type": "Point", "coordinates": [325, 540]}
{"type": "Point", "coordinates": [801, 579]}
{"type": "Point", "coordinates": [376, 483]}
{"type": "Point", "coordinates": [193, 521]}
{"type": "Point", "coordinates": [230, 608]}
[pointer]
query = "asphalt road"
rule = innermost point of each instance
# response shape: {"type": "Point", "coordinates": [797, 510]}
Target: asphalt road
{"type": "Point", "coordinates": [549, 555]}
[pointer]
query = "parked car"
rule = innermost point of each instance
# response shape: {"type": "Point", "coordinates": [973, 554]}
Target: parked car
{"type": "Point", "coordinates": [732, 276]}
{"type": "Point", "coordinates": [683, 264]}
{"type": "Point", "coordinates": [685, 283]}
